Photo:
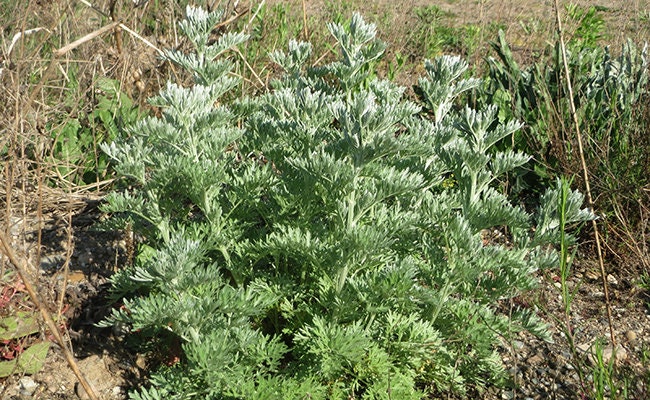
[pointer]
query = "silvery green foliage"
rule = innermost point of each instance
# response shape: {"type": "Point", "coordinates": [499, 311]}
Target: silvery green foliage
{"type": "Point", "coordinates": [442, 84]}
{"type": "Point", "coordinates": [326, 242]}
{"type": "Point", "coordinates": [203, 62]}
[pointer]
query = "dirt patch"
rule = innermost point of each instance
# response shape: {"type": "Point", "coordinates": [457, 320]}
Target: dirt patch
{"type": "Point", "coordinates": [92, 256]}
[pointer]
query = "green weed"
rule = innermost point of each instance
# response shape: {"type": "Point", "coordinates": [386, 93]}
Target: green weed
{"type": "Point", "coordinates": [75, 141]}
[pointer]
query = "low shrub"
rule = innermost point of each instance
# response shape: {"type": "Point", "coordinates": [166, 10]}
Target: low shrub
{"type": "Point", "coordinates": [323, 239]}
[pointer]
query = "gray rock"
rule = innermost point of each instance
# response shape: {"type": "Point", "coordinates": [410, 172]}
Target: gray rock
{"type": "Point", "coordinates": [27, 386]}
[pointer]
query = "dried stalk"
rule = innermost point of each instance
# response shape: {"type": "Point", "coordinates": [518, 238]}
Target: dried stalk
{"type": "Point", "coordinates": [304, 20]}
{"type": "Point", "coordinates": [118, 31]}
{"type": "Point", "coordinates": [63, 50]}
{"type": "Point", "coordinates": [585, 173]}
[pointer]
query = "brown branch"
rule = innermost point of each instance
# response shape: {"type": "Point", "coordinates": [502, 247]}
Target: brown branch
{"type": "Point", "coordinates": [117, 32]}
{"type": "Point", "coordinates": [63, 50]}
{"type": "Point", "coordinates": [231, 19]}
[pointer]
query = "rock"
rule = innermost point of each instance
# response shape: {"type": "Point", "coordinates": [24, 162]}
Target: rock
{"type": "Point", "coordinates": [631, 336]}
{"type": "Point", "coordinates": [518, 344]}
{"type": "Point", "coordinates": [27, 386]}
{"type": "Point", "coordinates": [611, 279]}
{"type": "Point", "coordinates": [608, 352]}
{"type": "Point", "coordinates": [592, 276]}
{"type": "Point", "coordinates": [621, 354]}
{"type": "Point", "coordinates": [99, 377]}
{"type": "Point", "coordinates": [52, 261]}
{"type": "Point", "coordinates": [81, 392]}
{"type": "Point", "coordinates": [583, 347]}
{"type": "Point", "coordinates": [536, 359]}
{"type": "Point", "coordinates": [141, 362]}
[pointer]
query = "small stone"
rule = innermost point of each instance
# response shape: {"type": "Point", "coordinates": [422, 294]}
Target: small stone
{"type": "Point", "coordinates": [591, 276]}
{"type": "Point", "coordinates": [621, 354]}
{"type": "Point", "coordinates": [81, 392]}
{"type": "Point", "coordinates": [631, 336]}
{"type": "Point", "coordinates": [52, 261]}
{"type": "Point", "coordinates": [100, 378]}
{"type": "Point", "coordinates": [518, 344]}
{"type": "Point", "coordinates": [536, 359]}
{"type": "Point", "coordinates": [27, 386]}
{"type": "Point", "coordinates": [141, 361]}
{"type": "Point", "coordinates": [583, 347]}
{"type": "Point", "coordinates": [611, 279]}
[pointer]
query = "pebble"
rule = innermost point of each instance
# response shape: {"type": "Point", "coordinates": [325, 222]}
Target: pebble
{"type": "Point", "coordinates": [518, 344]}
{"type": "Point", "coordinates": [27, 386]}
{"type": "Point", "coordinates": [621, 354]}
{"type": "Point", "coordinates": [584, 347]}
{"type": "Point", "coordinates": [52, 261]}
{"type": "Point", "coordinates": [631, 336]}
{"type": "Point", "coordinates": [608, 351]}
{"type": "Point", "coordinates": [81, 392]}
{"type": "Point", "coordinates": [611, 279]}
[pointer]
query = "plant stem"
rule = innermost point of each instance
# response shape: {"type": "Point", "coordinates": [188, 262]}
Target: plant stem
{"type": "Point", "coordinates": [585, 172]}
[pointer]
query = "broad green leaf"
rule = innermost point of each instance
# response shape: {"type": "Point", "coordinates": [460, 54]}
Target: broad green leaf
{"type": "Point", "coordinates": [23, 323]}
{"type": "Point", "coordinates": [29, 362]}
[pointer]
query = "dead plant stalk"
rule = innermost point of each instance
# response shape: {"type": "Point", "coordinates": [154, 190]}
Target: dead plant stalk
{"type": "Point", "coordinates": [585, 172]}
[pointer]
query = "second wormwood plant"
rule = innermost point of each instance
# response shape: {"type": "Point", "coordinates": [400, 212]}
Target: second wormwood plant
{"type": "Point", "coordinates": [322, 240]}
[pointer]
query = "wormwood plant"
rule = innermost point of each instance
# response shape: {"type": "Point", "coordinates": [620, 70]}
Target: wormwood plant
{"type": "Point", "coordinates": [323, 240]}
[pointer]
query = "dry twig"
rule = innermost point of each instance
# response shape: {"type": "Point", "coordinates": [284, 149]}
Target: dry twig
{"type": "Point", "coordinates": [585, 172]}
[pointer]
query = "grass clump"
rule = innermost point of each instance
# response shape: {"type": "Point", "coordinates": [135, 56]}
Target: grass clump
{"type": "Point", "coordinates": [610, 93]}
